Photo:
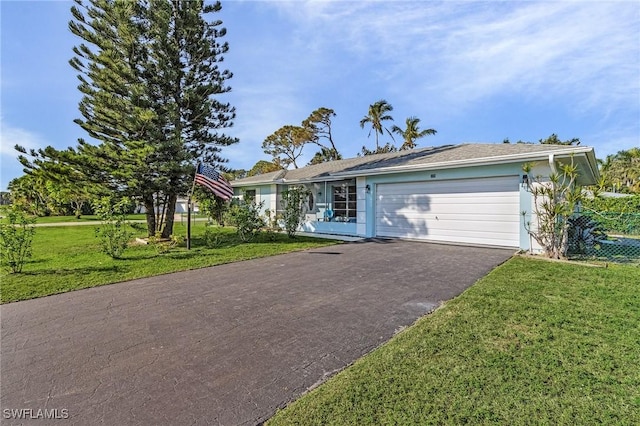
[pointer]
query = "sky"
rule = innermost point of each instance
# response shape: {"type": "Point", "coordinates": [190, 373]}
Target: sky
{"type": "Point", "coordinates": [473, 71]}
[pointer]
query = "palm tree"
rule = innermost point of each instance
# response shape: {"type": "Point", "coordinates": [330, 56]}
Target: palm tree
{"type": "Point", "coordinates": [378, 112]}
{"type": "Point", "coordinates": [411, 133]}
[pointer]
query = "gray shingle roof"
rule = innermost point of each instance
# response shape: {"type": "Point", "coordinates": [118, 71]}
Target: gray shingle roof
{"type": "Point", "coordinates": [446, 154]}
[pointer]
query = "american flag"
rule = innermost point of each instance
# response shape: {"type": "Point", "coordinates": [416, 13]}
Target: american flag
{"type": "Point", "coordinates": [208, 177]}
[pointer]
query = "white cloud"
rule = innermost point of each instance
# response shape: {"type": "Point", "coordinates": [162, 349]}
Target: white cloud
{"type": "Point", "coordinates": [12, 136]}
{"type": "Point", "coordinates": [461, 52]}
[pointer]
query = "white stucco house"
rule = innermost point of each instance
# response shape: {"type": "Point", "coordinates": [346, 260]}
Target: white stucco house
{"type": "Point", "coordinates": [468, 193]}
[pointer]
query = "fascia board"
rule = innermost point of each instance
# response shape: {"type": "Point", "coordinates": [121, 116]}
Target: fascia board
{"type": "Point", "coordinates": [486, 161]}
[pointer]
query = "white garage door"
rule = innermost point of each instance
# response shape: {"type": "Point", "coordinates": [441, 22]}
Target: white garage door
{"type": "Point", "coordinates": [476, 211]}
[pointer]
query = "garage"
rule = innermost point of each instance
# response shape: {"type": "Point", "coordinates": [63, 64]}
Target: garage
{"type": "Point", "coordinates": [474, 211]}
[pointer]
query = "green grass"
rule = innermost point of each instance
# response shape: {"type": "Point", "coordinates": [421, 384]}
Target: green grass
{"type": "Point", "coordinates": [534, 342]}
{"type": "Point", "coordinates": [94, 218]}
{"type": "Point", "coordinates": [68, 258]}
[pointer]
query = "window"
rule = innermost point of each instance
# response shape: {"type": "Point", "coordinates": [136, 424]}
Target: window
{"type": "Point", "coordinates": [344, 203]}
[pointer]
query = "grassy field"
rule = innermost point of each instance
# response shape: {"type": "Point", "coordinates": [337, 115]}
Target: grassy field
{"type": "Point", "coordinates": [68, 258]}
{"type": "Point", "coordinates": [534, 342]}
{"type": "Point", "coordinates": [94, 218]}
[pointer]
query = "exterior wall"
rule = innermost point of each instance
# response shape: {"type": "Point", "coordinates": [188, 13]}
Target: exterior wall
{"type": "Point", "coordinates": [432, 175]}
{"type": "Point", "coordinates": [541, 169]}
{"type": "Point", "coordinates": [264, 193]}
{"type": "Point", "coordinates": [361, 193]}
{"type": "Point", "coordinates": [364, 226]}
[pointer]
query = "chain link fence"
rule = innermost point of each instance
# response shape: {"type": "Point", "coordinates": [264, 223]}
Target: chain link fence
{"type": "Point", "coordinates": [605, 236]}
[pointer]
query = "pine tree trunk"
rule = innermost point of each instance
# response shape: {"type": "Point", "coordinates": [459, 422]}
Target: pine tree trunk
{"type": "Point", "coordinates": [167, 231]}
{"type": "Point", "coordinates": [149, 207]}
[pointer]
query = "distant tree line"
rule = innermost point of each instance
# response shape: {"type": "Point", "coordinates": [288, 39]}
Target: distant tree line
{"type": "Point", "coordinates": [286, 145]}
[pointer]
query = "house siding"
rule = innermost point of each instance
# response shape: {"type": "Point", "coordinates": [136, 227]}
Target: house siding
{"type": "Point", "coordinates": [365, 222]}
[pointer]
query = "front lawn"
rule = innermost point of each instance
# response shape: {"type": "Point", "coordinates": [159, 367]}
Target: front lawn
{"type": "Point", "coordinates": [534, 342]}
{"type": "Point", "coordinates": [68, 258]}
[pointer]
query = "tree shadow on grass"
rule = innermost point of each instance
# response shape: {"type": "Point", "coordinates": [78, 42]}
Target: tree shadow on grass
{"type": "Point", "coordinates": [82, 270]}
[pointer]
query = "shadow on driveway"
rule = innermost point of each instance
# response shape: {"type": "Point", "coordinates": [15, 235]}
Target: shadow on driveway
{"type": "Point", "coordinates": [228, 344]}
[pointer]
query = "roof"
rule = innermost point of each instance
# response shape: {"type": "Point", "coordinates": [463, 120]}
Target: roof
{"type": "Point", "coordinates": [431, 158]}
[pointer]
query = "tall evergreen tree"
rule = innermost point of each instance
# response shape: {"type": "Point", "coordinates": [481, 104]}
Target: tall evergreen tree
{"type": "Point", "coordinates": [150, 75]}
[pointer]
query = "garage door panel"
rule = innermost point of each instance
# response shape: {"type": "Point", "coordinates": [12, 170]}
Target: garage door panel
{"type": "Point", "coordinates": [455, 226]}
{"type": "Point", "coordinates": [499, 233]}
{"type": "Point", "coordinates": [450, 187]}
{"type": "Point", "coordinates": [454, 216]}
{"type": "Point", "coordinates": [498, 237]}
{"type": "Point", "coordinates": [478, 211]}
{"type": "Point", "coordinates": [427, 200]}
{"type": "Point", "coordinates": [440, 207]}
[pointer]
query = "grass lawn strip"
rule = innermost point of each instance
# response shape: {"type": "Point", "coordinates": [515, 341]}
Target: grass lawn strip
{"type": "Point", "coordinates": [534, 342]}
{"type": "Point", "coordinates": [68, 258]}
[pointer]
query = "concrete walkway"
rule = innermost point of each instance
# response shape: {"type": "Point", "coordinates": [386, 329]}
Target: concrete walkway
{"type": "Point", "coordinates": [222, 345]}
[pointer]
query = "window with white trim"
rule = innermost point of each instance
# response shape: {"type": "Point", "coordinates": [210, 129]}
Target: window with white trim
{"type": "Point", "coordinates": [344, 203]}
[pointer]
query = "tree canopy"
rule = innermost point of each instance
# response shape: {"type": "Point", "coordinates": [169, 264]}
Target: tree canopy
{"type": "Point", "coordinates": [285, 145]}
{"type": "Point", "coordinates": [319, 124]}
{"type": "Point", "coordinates": [620, 172]}
{"type": "Point", "coordinates": [150, 80]}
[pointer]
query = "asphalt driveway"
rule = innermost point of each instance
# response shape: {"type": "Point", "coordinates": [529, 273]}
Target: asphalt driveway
{"type": "Point", "coordinates": [222, 345]}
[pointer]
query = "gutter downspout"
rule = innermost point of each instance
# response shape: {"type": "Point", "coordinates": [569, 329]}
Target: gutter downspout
{"type": "Point", "coordinates": [552, 163]}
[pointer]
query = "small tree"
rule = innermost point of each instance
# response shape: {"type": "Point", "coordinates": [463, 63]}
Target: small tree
{"type": "Point", "coordinates": [16, 237]}
{"type": "Point", "coordinates": [214, 207]}
{"type": "Point", "coordinates": [113, 233]}
{"type": "Point", "coordinates": [293, 202]}
{"type": "Point", "coordinates": [554, 203]}
{"type": "Point", "coordinates": [246, 218]}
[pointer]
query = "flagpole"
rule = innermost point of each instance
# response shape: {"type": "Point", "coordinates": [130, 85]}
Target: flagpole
{"type": "Point", "coordinates": [193, 185]}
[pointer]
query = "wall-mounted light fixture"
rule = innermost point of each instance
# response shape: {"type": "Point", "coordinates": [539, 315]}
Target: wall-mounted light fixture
{"type": "Point", "coordinates": [525, 179]}
{"type": "Point", "coordinates": [368, 188]}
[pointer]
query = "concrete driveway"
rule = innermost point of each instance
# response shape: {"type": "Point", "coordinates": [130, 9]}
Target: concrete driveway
{"type": "Point", "coordinates": [222, 345]}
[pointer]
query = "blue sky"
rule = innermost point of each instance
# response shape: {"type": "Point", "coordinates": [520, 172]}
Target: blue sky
{"type": "Point", "coordinates": [474, 71]}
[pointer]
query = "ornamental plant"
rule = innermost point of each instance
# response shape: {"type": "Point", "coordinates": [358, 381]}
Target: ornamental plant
{"type": "Point", "coordinates": [554, 203]}
{"type": "Point", "coordinates": [16, 237]}
{"type": "Point", "coordinates": [113, 233]}
{"type": "Point", "coordinates": [246, 218]}
{"type": "Point", "coordinates": [293, 202]}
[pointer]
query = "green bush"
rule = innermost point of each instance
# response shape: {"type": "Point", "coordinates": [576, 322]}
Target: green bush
{"type": "Point", "coordinates": [246, 218]}
{"type": "Point", "coordinates": [163, 245]}
{"type": "Point", "coordinates": [293, 200]}
{"type": "Point", "coordinates": [621, 215]}
{"type": "Point", "coordinates": [16, 236]}
{"type": "Point", "coordinates": [617, 204]}
{"type": "Point", "coordinates": [113, 233]}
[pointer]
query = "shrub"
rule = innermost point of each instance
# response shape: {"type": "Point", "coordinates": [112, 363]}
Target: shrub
{"type": "Point", "coordinates": [273, 224]}
{"type": "Point", "coordinates": [163, 245]}
{"type": "Point", "coordinates": [246, 218]}
{"type": "Point", "coordinates": [293, 201]}
{"type": "Point", "coordinates": [585, 235]}
{"type": "Point", "coordinates": [619, 215]}
{"type": "Point", "coordinates": [16, 237]}
{"type": "Point", "coordinates": [113, 233]}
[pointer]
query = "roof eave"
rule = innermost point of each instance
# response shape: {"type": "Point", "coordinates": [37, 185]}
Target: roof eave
{"type": "Point", "coordinates": [502, 159]}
